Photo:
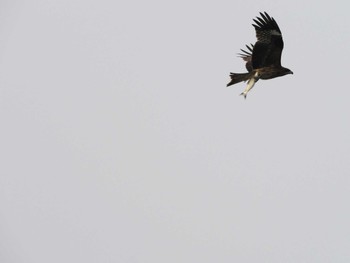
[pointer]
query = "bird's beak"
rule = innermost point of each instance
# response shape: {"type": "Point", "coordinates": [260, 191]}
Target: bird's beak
{"type": "Point", "coordinates": [291, 72]}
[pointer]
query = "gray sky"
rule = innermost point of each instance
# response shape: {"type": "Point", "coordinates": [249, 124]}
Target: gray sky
{"type": "Point", "coordinates": [121, 143]}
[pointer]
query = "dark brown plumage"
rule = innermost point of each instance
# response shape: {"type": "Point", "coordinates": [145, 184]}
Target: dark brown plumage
{"type": "Point", "coordinates": [263, 60]}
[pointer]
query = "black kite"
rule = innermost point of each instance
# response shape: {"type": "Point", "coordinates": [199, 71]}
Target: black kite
{"type": "Point", "coordinates": [264, 58]}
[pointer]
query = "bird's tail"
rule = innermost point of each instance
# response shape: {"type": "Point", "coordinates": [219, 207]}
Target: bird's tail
{"type": "Point", "coordinates": [238, 77]}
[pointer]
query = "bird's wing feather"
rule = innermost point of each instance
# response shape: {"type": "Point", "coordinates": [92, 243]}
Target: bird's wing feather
{"type": "Point", "coordinates": [247, 56]}
{"type": "Point", "coordinates": [267, 50]}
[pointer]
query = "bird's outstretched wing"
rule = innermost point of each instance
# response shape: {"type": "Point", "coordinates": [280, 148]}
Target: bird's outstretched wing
{"type": "Point", "coordinates": [247, 56]}
{"type": "Point", "coordinates": [267, 50]}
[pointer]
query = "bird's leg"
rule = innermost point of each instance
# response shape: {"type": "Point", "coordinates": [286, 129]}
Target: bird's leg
{"type": "Point", "coordinates": [250, 85]}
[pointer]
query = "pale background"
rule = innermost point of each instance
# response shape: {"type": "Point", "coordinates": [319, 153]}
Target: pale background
{"type": "Point", "coordinates": [121, 143]}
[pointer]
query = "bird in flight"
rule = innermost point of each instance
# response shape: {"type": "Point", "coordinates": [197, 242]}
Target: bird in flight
{"type": "Point", "coordinates": [263, 60]}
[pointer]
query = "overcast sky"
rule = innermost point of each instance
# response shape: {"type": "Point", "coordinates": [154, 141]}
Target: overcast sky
{"type": "Point", "coordinates": [120, 142]}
